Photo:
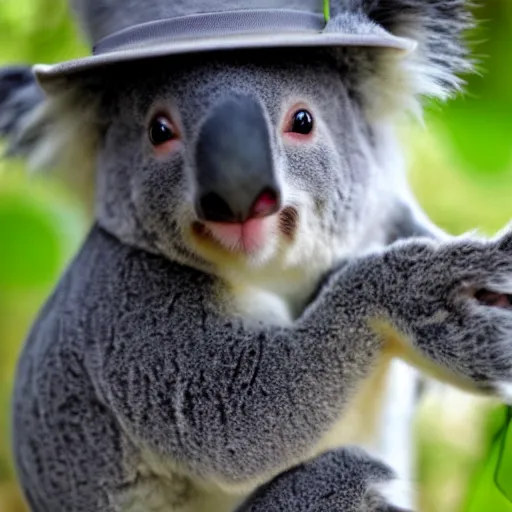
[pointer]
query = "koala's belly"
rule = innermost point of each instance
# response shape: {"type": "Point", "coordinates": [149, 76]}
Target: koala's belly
{"type": "Point", "coordinates": [360, 423]}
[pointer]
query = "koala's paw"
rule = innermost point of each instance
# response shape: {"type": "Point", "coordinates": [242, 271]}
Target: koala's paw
{"type": "Point", "coordinates": [345, 480]}
{"type": "Point", "coordinates": [457, 308]}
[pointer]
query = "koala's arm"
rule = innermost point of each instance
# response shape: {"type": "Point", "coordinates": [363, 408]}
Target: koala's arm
{"type": "Point", "coordinates": [234, 404]}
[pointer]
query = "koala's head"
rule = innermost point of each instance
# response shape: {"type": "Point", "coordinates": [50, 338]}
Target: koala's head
{"type": "Point", "coordinates": [240, 160]}
{"type": "Point", "coordinates": [263, 161]}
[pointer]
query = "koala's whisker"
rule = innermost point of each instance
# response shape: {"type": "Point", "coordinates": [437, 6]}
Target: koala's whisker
{"type": "Point", "coordinates": [289, 221]}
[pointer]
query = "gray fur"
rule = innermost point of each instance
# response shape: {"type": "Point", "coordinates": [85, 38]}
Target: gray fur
{"type": "Point", "coordinates": [20, 96]}
{"type": "Point", "coordinates": [438, 25]}
{"type": "Point", "coordinates": [166, 374]}
{"type": "Point", "coordinates": [324, 482]}
{"type": "Point", "coordinates": [194, 391]}
{"type": "Point", "coordinates": [386, 83]}
{"type": "Point", "coordinates": [196, 87]}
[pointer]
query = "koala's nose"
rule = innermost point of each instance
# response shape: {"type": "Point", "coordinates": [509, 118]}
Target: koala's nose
{"type": "Point", "coordinates": [234, 166]}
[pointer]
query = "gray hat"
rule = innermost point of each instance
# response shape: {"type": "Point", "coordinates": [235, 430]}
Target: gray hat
{"type": "Point", "coordinates": [155, 28]}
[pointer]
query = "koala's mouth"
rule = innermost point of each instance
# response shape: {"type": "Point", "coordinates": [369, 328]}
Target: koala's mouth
{"type": "Point", "coordinates": [250, 237]}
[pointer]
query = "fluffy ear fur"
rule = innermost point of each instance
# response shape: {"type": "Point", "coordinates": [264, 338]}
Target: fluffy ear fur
{"type": "Point", "coordinates": [388, 81]}
{"type": "Point", "coordinates": [19, 97]}
{"type": "Point", "coordinates": [60, 132]}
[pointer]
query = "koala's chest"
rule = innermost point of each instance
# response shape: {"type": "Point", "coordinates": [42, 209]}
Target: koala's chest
{"type": "Point", "coordinates": [360, 420]}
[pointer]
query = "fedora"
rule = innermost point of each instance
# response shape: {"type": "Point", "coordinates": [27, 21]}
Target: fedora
{"type": "Point", "coordinates": [160, 28]}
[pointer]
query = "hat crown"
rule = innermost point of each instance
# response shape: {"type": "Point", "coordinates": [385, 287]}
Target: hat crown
{"type": "Point", "coordinates": [134, 30]}
{"type": "Point", "coordinates": [101, 18]}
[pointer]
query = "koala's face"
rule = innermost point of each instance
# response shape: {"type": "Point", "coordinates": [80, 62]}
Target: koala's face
{"type": "Point", "coordinates": [237, 162]}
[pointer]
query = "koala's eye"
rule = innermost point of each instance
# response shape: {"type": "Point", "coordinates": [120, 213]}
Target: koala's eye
{"type": "Point", "coordinates": [161, 130]}
{"type": "Point", "coordinates": [302, 122]}
{"type": "Point", "coordinates": [299, 124]}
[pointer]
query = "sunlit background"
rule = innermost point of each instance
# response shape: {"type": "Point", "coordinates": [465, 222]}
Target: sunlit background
{"type": "Point", "coordinates": [461, 171]}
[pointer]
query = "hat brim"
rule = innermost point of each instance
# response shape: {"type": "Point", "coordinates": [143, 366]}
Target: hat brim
{"type": "Point", "coordinates": [50, 76]}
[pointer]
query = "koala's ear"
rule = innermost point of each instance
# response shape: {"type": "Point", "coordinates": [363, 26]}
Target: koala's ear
{"type": "Point", "coordinates": [434, 69]}
{"type": "Point", "coordinates": [58, 131]}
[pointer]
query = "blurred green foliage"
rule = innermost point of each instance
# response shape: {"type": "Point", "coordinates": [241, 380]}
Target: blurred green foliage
{"type": "Point", "coordinates": [34, 31]}
{"type": "Point", "coordinates": [461, 171]}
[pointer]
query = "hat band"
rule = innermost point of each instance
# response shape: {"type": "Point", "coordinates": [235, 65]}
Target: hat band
{"type": "Point", "coordinates": [216, 24]}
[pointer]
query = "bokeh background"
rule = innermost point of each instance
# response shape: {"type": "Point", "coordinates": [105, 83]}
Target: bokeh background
{"type": "Point", "coordinates": [460, 169]}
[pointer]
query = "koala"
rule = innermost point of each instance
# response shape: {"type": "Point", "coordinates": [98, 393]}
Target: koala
{"type": "Point", "coordinates": [223, 338]}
